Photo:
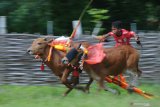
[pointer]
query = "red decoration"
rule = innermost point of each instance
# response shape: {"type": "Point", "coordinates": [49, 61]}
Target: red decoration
{"type": "Point", "coordinates": [42, 67]}
{"type": "Point", "coordinates": [75, 73]}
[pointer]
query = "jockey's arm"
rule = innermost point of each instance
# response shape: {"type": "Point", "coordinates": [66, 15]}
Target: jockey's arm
{"type": "Point", "coordinates": [136, 37]}
{"type": "Point", "coordinates": [102, 38]}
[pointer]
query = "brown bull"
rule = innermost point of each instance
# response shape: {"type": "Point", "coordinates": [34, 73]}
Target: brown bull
{"type": "Point", "coordinates": [41, 48]}
{"type": "Point", "coordinates": [117, 61]}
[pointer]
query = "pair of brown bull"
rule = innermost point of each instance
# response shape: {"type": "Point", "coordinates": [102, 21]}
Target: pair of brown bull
{"type": "Point", "coordinates": [118, 60]}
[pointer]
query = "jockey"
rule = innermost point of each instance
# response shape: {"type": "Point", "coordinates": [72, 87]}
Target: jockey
{"type": "Point", "coordinates": [121, 37]}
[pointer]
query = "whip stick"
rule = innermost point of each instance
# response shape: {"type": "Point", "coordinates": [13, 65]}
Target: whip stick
{"type": "Point", "coordinates": [80, 18]}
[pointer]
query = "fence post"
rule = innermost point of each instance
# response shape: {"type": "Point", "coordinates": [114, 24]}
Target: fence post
{"type": "Point", "coordinates": [79, 29]}
{"type": "Point", "coordinates": [133, 27]}
{"type": "Point", "coordinates": [3, 29]}
{"type": "Point", "coordinates": [50, 27]}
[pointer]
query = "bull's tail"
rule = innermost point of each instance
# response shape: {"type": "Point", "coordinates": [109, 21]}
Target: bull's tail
{"type": "Point", "coordinates": [139, 72]}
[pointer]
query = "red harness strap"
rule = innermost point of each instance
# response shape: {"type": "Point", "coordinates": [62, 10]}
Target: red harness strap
{"type": "Point", "coordinates": [75, 73]}
{"type": "Point", "coordinates": [42, 66]}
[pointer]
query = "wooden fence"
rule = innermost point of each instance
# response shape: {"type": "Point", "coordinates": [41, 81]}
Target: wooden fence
{"type": "Point", "coordinates": [19, 68]}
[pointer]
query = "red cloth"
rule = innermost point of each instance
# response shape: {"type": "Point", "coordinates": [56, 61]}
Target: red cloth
{"type": "Point", "coordinates": [95, 54]}
{"type": "Point", "coordinates": [124, 39]}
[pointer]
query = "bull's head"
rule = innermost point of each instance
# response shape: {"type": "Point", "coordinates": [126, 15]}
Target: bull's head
{"type": "Point", "coordinates": [38, 46]}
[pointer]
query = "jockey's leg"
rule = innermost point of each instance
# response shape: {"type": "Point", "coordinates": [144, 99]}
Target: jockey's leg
{"type": "Point", "coordinates": [70, 56]}
{"type": "Point", "coordinates": [106, 88]}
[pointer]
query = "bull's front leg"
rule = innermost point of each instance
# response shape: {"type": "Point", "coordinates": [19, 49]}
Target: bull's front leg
{"type": "Point", "coordinates": [64, 80]}
{"type": "Point", "coordinates": [65, 74]}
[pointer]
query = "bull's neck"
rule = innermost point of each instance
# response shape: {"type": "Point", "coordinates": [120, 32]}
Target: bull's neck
{"type": "Point", "coordinates": [55, 62]}
{"type": "Point", "coordinates": [45, 54]}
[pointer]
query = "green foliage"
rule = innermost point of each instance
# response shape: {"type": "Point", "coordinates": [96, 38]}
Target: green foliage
{"type": "Point", "coordinates": [98, 14]}
{"type": "Point", "coordinates": [32, 15]}
{"type": "Point", "coordinates": [29, 17]}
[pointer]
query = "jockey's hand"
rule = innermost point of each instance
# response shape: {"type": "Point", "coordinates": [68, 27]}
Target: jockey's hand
{"type": "Point", "coordinates": [139, 43]}
{"type": "Point", "coordinates": [65, 60]}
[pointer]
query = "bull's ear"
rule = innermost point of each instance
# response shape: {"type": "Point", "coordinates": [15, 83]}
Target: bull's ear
{"type": "Point", "coordinates": [45, 39]}
{"type": "Point", "coordinates": [48, 40]}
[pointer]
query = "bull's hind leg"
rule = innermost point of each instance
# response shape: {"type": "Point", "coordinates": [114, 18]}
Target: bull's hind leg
{"type": "Point", "coordinates": [132, 65]}
{"type": "Point", "coordinates": [99, 76]}
{"type": "Point", "coordinates": [106, 88]}
{"type": "Point", "coordinates": [88, 85]}
{"type": "Point", "coordinates": [132, 78]}
{"type": "Point", "coordinates": [134, 74]}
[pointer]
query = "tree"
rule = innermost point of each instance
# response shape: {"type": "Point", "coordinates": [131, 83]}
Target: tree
{"type": "Point", "coordinates": [32, 15]}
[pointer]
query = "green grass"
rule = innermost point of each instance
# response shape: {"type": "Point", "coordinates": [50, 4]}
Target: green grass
{"type": "Point", "coordinates": [51, 96]}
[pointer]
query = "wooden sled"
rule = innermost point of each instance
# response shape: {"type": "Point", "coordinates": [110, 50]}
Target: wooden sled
{"type": "Point", "coordinates": [124, 85]}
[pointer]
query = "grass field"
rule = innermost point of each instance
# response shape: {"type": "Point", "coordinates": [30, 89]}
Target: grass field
{"type": "Point", "coordinates": [51, 96]}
